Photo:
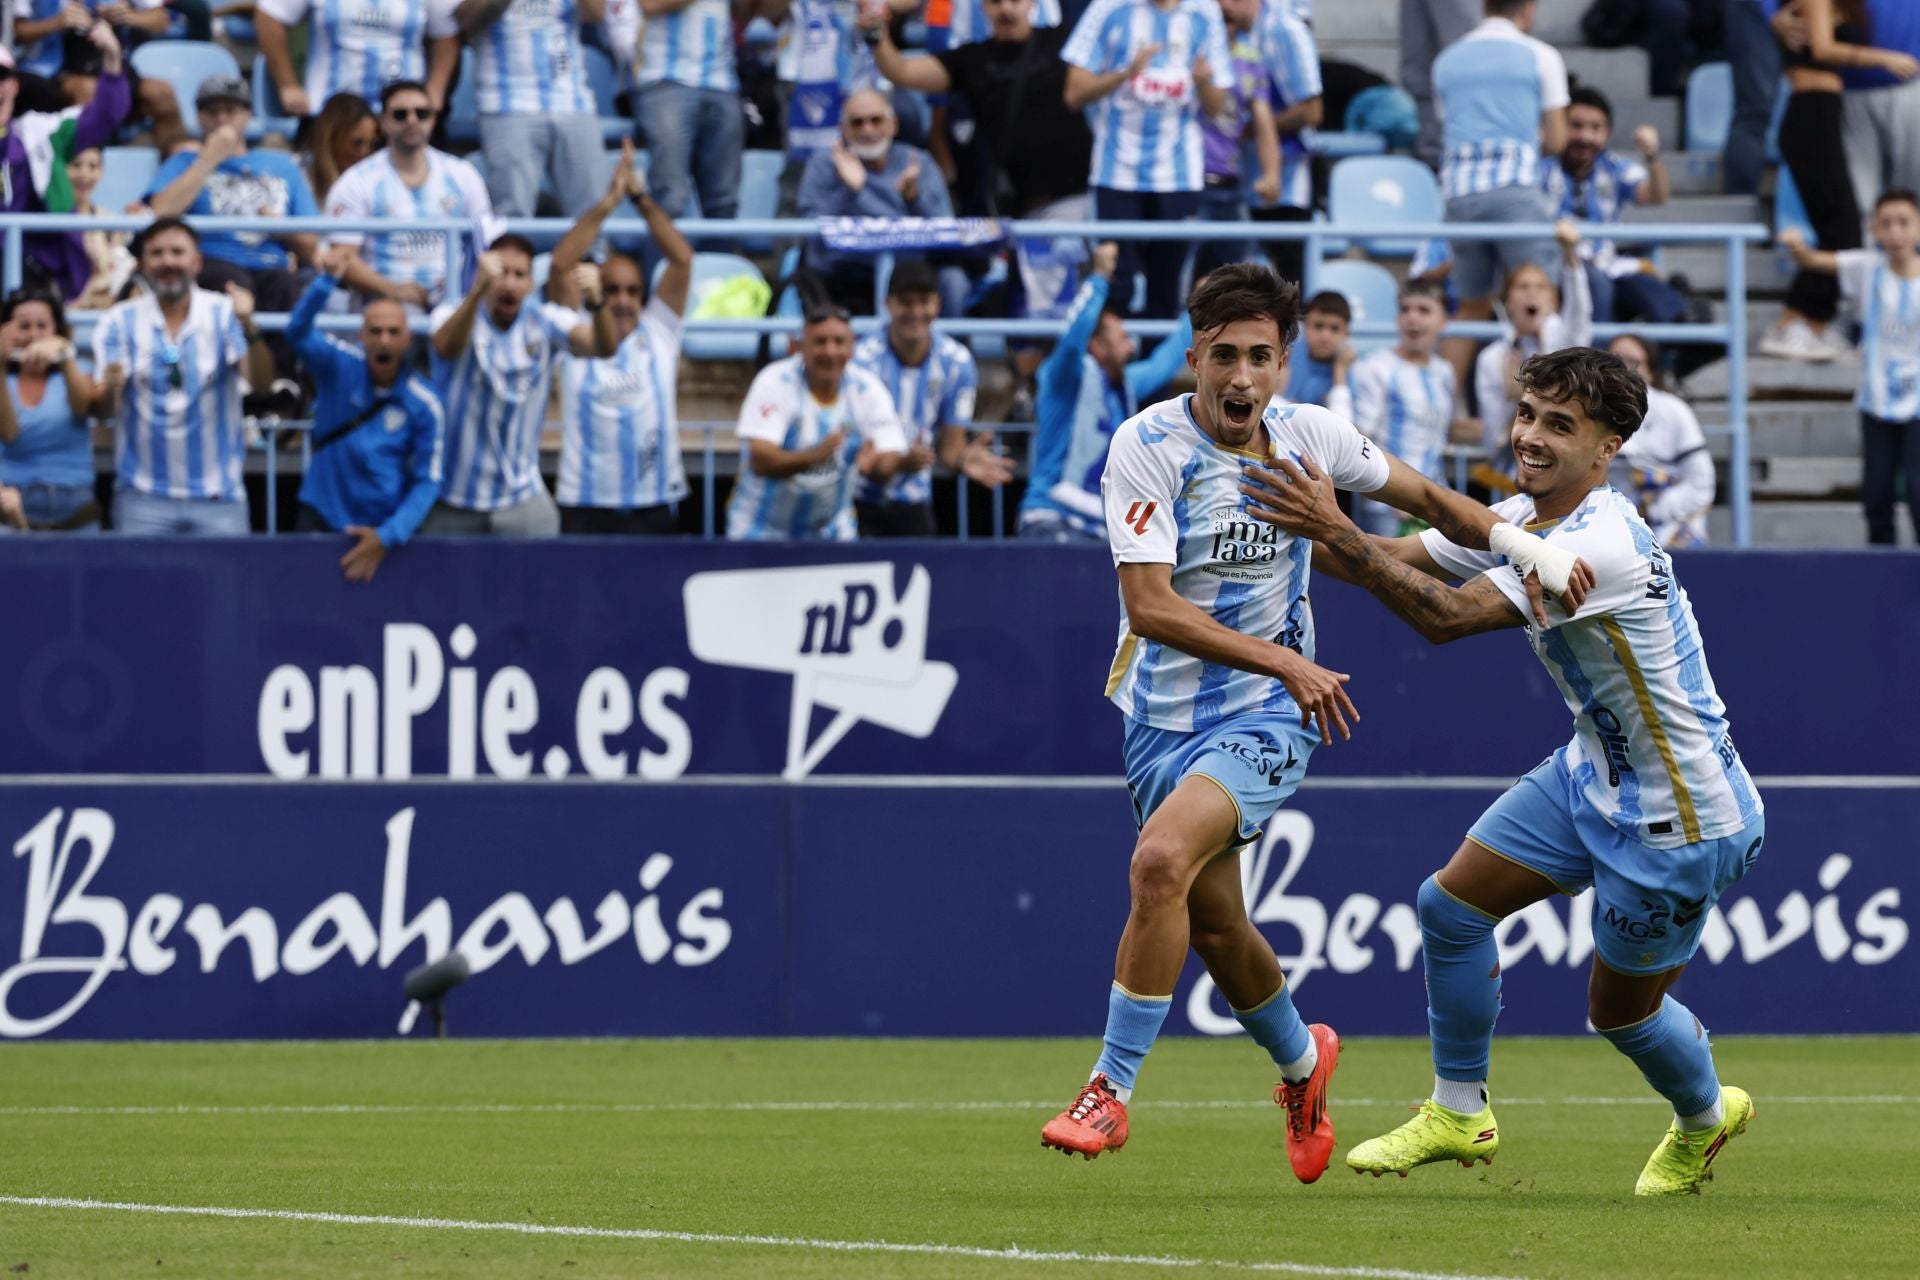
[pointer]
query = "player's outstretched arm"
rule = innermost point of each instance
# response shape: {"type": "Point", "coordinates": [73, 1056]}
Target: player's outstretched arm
{"type": "Point", "coordinates": [1302, 500]}
{"type": "Point", "coordinates": [1155, 611]}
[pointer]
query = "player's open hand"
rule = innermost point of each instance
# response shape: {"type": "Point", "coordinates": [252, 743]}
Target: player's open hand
{"type": "Point", "coordinates": [1321, 696]}
{"type": "Point", "coordinates": [1297, 497]}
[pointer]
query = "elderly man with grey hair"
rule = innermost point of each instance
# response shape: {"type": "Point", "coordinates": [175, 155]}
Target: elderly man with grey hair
{"type": "Point", "coordinates": [867, 173]}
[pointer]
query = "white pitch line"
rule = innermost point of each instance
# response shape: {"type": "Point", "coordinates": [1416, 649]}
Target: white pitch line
{"type": "Point", "coordinates": [1013, 1253]}
{"type": "Point", "coordinates": [649, 1108]}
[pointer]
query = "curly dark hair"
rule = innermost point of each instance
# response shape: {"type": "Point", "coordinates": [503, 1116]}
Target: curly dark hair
{"type": "Point", "coordinates": [1598, 381]}
{"type": "Point", "coordinates": [1243, 291]}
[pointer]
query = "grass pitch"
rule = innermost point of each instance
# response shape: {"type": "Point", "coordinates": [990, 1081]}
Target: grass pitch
{"type": "Point", "coordinates": [758, 1157]}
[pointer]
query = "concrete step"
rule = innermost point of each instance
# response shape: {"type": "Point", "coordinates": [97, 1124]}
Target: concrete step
{"type": "Point", "coordinates": [1662, 113]}
{"type": "Point", "coordinates": [1557, 22]}
{"type": "Point", "coordinates": [1786, 428]}
{"type": "Point", "coordinates": [1772, 379]}
{"type": "Point", "coordinates": [1621, 74]}
{"type": "Point", "coordinates": [1698, 208]}
{"type": "Point", "coordinates": [1818, 477]}
{"type": "Point", "coordinates": [1800, 524]}
{"type": "Point", "coordinates": [1338, 22]}
{"type": "Point", "coordinates": [1762, 313]}
{"type": "Point", "coordinates": [1693, 173]}
{"type": "Point", "coordinates": [1705, 267]}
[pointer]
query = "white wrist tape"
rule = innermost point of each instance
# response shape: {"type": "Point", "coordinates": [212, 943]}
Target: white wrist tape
{"type": "Point", "coordinates": [1533, 555]}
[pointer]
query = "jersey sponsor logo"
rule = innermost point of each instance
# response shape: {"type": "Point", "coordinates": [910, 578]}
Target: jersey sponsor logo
{"type": "Point", "coordinates": [1244, 549]}
{"type": "Point", "coordinates": [1613, 741]}
{"type": "Point", "coordinates": [1264, 761]}
{"type": "Point", "coordinates": [1654, 925]}
{"type": "Point", "coordinates": [854, 642]}
{"type": "Point", "coordinates": [1139, 514]}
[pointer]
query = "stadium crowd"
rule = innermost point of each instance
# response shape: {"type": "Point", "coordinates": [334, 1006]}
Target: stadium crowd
{"type": "Point", "coordinates": [930, 117]}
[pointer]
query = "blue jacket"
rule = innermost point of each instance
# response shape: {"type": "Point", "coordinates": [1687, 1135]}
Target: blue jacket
{"type": "Point", "coordinates": [1078, 410]}
{"type": "Point", "coordinates": [386, 473]}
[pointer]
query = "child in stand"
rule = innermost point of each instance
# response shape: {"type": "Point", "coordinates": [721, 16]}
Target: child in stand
{"type": "Point", "coordinates": [1404, 397]}
{"type": "Point", "coordinates": [1540, 319]}
{"type": "Point", "coordinates": [1883, 289]}
{"type": "Point", "coordinates": [1317, 373]}
{"type": "Point", "coordinates": [1664, 466]}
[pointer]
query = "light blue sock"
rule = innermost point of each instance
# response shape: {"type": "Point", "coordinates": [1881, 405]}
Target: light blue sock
{"type": "Point", "coordinates": [1673, 1052]}
{"type": "Point", "coordinates": [1463, 983]}
{"type": "Point", "coordinates": [1275, 1026]}
{"type": "Point", "coordinates": [1133, 1024]}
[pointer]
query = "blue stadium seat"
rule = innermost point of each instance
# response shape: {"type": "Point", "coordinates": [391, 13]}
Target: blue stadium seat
{"type": "Point", "coordinates": [710, 270]}
{"type": "Point", "coordinates": [1389, 189]}
{"type": "Point", "coordinates": [604, 85]}
{"type": "Point", "coordinates": [184, 64]}
{"type": "Point", "coordinates": [759, 192]}
{"type": "Point", "coordinates": [463, 113]}
{"type": "Point", "coordinates": [1369, 289]}
{"type": "Point", "coordinates": [125, 175]}
{"type": "Point", "coordinates": [1709, 106]}
{"type": "Point", "coordinates": [1337, 143]}
{"type": "Point", "coordinates": [268, 115]}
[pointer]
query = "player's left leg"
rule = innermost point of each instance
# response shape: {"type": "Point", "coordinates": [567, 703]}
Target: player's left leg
{"type": "Point", "coordinates": [1650, 907]}
{"type": "Point", "coordinates": [1243, 966]}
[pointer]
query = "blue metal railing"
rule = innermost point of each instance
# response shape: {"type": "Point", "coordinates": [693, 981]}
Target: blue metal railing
{"type": "Point", "coordinates": [1732, 333]}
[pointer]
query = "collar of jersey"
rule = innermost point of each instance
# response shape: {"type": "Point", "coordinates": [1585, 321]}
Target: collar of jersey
{"type": "Point", "coordinates": [1186, 407]}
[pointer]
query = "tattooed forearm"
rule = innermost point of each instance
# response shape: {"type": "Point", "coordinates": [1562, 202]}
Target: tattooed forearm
{"type": "Point", "coordinates": [1427, 605]}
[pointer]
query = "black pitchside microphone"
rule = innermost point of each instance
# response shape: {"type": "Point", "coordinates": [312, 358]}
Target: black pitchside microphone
{"type": "Point", "coordinates": [428, 985]}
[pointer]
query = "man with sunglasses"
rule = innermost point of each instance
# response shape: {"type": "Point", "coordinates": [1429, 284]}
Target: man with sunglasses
{"type": "Point", "coordinates": [174, 364]}
{"type": "Point", "coordinates": [810, 428]}
{"type": "Point", "coordinates": [407, 180]}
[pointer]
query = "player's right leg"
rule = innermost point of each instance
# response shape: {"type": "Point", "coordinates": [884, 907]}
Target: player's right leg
{"type": "Point", "coordinates": [1189, 828]}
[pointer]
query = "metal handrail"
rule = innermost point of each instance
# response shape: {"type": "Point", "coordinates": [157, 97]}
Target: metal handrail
{"type": "Point", "coordinates": [1732, 332]}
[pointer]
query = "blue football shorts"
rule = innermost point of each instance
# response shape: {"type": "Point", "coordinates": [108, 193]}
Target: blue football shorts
{"type": "Point", "coordinates": [1259, 758]}
{"type": "Point", "coordinates": [1649, 904]}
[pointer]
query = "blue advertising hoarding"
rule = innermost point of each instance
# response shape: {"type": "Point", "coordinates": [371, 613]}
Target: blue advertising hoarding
{"type": "Point", "coordinates": [260, 909]}
{"type": "Point", "coordinates": [670, 659]}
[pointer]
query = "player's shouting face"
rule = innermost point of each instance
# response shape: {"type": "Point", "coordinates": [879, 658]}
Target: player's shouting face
{"type": "Point", "coordinates": [1237, 367]}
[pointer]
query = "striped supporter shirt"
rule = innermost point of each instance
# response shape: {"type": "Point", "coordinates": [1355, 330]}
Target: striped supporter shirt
{"type": "Point", "coordinates": [180, 433]}
{"type": "Point", "coordinates": [1146, 133]}
{"type": "Point", "coordinates": [372, 189]}
{"type": "Point", "coordinates": [621, 447]}
{"type": "Point", "coordinates": [817, 503]}
{"type": "Point", "coordinates": [692, 46]}
{"type": "Point", "coordinates": [529, 62]}
{"type": "Point", "coordinates": [1889, 309]}
{"type": "Point", "coordinates": [1650, 750]}
{"type": "Point", "coordinates": [1490, 88]}
{"type": "Point", "coordinates": [928, 396]}
{"type": "Point", "coordinates": [358, 46]}
{"type": "Point", "coordinates": [496, 400]}
{"type": "Point", "coordinates": [1173, 497]}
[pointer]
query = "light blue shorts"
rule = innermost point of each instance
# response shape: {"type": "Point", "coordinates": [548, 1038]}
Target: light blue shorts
{"type": "Point", "coordinates": [1259, 758]}
{"type": "Point", "coordinates": [1649, 904]}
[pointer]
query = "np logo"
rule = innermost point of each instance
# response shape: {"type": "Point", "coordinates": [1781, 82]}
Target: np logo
{"type": "Point", "coordinates": [1138, 514]}
{"type": "Point", "coordinates": [853, 643]}
{"type": "Point", "coordinates": [1654, 926]}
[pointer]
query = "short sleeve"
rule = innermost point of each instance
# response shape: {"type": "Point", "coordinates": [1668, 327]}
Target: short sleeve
{"type": "Point", "coordinates": [110, 339]}
{"type": "Point", "coordinates": [1466, 562]}
{"type": "Point", "coordinates": [1214, 43]}
{"type": "Point", "coordinates": [348, 200]}
{"type": "Point", "coordinates": [560, 322]}
{"type": "Point", "coordinates": [1138, 490]}
{"type": "Point", "coordinates": [877, 418]}
{"type": "Point", "coordinates": [956, 407]}
{"type": "Point", "coordinates": [663, 325]}
{"type": "Point", "coordinates": [1346, 457]}
{"type": "Point", "coordinates": [1856, 274]}
{"type": "Point", "coordinates": [300, 202]}
{"type": "Point", "coordinates": [440, 315]}
{"type": "Point", "coordinates": [768, 409]}
{"type": "Point", "coordinates": [233, 339]}
{"type": "Point", "coordinates": [288, 13]}
{"type": "Point", "coordinates": [479, 205]}
{"type": "Point", "coordinates": [440, 19]}
{"type": "Point", "coordinates": [1553, 76]}
{"type": "Point", "coordinates": [1368, 380]}
{"type": "Point", "coordinates": [1083, 46]}
{"type": "Point", "coordinates": [1293, 59]}
{"type": "Point", "coordinates": [172, 169]}
{"type": "Point", "coordinates": [1633, 175]}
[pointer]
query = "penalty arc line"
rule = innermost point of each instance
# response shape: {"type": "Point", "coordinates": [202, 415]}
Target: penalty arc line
{"type": "Point", "coordinates": [654, 1108]}
{"type": "Point", "coordinates": [1011, 1254]}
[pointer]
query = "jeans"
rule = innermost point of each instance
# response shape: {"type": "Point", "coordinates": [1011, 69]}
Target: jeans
{"type": "Point", "coordinates": [1480, 266]}
{"type": "Point", "coordinates": [1223, 204]}
{"type": "Point", "coordinates": [51, 506]}
{"type": "Point", "coordinates": [146, 515]}
{"type": "Point", "coordinates": [535, 517]}
{"type": "Point", "coordinates": [1887, 450]}
{"type": "Point", "coordinates": [1640, 296]}
{"type": "Point", "coordinates": [1756, 78]}
{"type": "Point", "coordinates": [520, 150]}
{"type": "Point", "coordinates": [694, 138]}
{"type": "Point", "coordinates": [1165, 262]}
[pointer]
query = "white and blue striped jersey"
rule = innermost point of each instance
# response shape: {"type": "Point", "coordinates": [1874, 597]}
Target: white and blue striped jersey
{"type": "Point", "coordinates": [1650, 749]}
{"type": "Point", "coordinates": [1490, 88]}
{"type": "Point", "coordinates": [496, 399]}
{"type": "Point", "coordinates": [1172, 496]}
{"type": "Point", "coordinates": [1292, 60]}
{"type": "Point", "coordinates": [691, 46]}
{"type": "Point", "coordinates": [967, 22]}
{"type": "Point", "coordinates": [371, 189]}
{"type": "Point", "coordinates": [357, 46]}
{"type": "Point", "coordinates": [528, 63]}
{"type": "Point", "coordinates": [928, 396]}
{"type": "Point", "coordinates": [179, 433]}
{"type": "Point", "coordinates": [1889, 309]}
{"type": "Point", "coordinates": [1146, 133]}
{"type": "Point", "coordinates": [1611, 185]}
{"type": "Point", "coordinates": [1405, 407]}
{"type": "Point", "coordinates": [620, 446]}
{"type": "Point", "coordinates": [817, 503]}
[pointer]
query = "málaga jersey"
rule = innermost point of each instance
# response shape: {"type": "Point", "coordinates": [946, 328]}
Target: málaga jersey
{"type": "Point", "coordinates": [1406, 407]}
{"type": "Point", "coordinates": [817, 503]}
{"type": "Point", "coordinates": [1173, 497]}
{"type": "Point", "coordinates": [691, 46]}
{"type": "Point", "coordinates": [1146, 133]}
{"type": "Point", "coordinates": [529, 62]}
{"type": "Point", "coordinates": [621, 443]}
{"type": "Point", "coordinates": [938, 392]}
{"type": "Point", "coordinates": [358, 46]}
{"type": "Point", "coordinates": [495, 394]}
{"type": "Point", "coordinates": [1889, 309]}
{"type": "Point", "coordinates": [372, 189]}
{"type": "Point", "coordinates": [1650, 751]}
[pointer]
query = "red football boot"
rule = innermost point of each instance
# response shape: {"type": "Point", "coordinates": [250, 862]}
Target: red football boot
{"type": "Point", "coordinates": [1309, 1129]}
{"type": "Point", "coordinates": [1096, 1122]}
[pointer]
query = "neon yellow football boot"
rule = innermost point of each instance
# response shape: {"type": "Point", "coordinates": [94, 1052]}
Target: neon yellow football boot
{"type": "Point", "coordinates": [1436, 1133]}
{"type": "Point", "coordinates": [1683, 1161]}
